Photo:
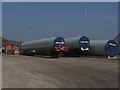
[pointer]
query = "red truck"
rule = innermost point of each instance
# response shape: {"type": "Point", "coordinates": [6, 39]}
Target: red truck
{"type": "Point", "coordinates": [10, 49]}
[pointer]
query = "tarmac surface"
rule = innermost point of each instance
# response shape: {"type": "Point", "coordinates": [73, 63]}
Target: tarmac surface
{"type": "Point", "coordinates": [64, 72]}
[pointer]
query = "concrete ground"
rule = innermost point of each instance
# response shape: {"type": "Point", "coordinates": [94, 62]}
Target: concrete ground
{"type": "Point", "coordinates": [65, 72]}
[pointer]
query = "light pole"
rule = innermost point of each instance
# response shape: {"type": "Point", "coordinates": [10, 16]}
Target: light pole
{"type": "Point", "coordinates": [86, 19]}
{"type": "Point", "coordinates": [29, 31]}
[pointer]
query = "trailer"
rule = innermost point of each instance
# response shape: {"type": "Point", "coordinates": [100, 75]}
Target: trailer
{"type": "Point", "coordinates": [49, 46]}
{"type": "Point", "coordinates": [104, 47]}
{"type": "Point", "coordinates": [83, 46]}
{"type": "Point", "coordinates": [77, 45]}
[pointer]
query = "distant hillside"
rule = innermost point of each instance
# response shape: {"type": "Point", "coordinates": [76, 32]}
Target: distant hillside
{"type": "Point", "coordinates": [6, 41]}
{"type": "Point", "coordinates": [117, 38]}
{"type": "Point", "coordinates": [0, 41]}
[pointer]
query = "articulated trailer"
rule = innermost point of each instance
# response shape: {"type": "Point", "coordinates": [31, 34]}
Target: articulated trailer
{"type": "Point", "coordinates": [50, 46]}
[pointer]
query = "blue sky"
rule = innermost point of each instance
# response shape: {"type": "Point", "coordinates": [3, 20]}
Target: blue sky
{"type": "Point", "coordinates": [59, 19]}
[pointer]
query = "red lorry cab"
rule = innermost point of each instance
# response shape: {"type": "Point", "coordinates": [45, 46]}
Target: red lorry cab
{"type": "Point", "coordinates": [10, 49]}
{"type": "Point", "coordinates": [9, 46]}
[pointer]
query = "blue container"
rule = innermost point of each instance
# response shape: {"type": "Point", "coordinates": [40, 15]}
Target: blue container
{"type": "Point", "coordinates": [111, 48]}
{"type": "Point", "coordinates": [84, 42]}
{"type": "Point", "coordinates": [59, 41]}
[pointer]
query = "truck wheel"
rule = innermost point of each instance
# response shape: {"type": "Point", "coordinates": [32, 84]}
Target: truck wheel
{"type": "Point", "coordinates": [54, 55]}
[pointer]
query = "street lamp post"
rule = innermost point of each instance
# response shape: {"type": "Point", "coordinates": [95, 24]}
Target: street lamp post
{"type": "Point", "coordinates": [86, 19]}
{"type": "Point", "coordinates": [30, 31]}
